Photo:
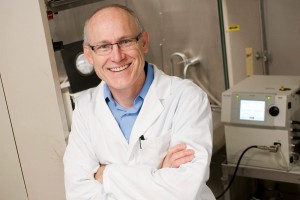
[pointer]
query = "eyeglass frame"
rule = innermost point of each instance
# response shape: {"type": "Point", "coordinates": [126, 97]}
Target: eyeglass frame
{"type": "Point", "coordinates": [137, 38]}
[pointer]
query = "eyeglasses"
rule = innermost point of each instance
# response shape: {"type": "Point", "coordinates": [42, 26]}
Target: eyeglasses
{"type": "Point", "coordinates": [126, 44]}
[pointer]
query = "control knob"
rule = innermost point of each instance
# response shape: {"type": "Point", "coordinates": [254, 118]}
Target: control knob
{"type": "Point", "coordinates": [274, 111]}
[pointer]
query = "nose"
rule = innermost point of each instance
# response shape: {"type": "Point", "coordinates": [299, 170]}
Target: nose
{"type": "Point", "coordinates": [116, 54]}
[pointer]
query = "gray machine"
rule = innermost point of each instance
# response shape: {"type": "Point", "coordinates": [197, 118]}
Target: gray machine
{"type": "Point", "coordinates": [264, 111]}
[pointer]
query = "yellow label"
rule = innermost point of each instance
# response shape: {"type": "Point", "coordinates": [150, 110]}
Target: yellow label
{"type": "Point", "coordinates": [234, 28]}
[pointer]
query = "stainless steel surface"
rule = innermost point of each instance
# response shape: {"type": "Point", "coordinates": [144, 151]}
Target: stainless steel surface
{"type": "Point", "coordinates": [185, 62]}
{"type": "Point", "coordinates": [189, 27]}
{"type": "Point", "coordinates": [191, 62]}
{"type": "Point", "coordinates": [258, 55]}
{"type": "Point", "coordinates": [283, 33]}
{"type": "Point", "coordinates": [183, 58]}
{"type": "Point", "coordinates": [262, 173]}
{"type": "Point", "coordinates": [270, 27]}
{"type": "Point", "coordinates": [288, 181]}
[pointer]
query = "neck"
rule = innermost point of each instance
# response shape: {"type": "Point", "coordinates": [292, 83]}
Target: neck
{"type": "Point", "coordinates": [126, 97]}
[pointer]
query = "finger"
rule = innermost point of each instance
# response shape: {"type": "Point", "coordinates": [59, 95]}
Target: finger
{"type": "Point", "coordinates": [181, 154]}
{"type": "Point", "coordinates": [176, 148]}
{"type": "Point", "coordinates": [179, 158]}
{"type": "Point", "coordinates": [169, 158]}
{"type": "Point", "coordinates": [182, 160]}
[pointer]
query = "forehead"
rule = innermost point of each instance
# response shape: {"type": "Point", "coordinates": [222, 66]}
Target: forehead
{"type": "Point", "coordinates": [111, 24]}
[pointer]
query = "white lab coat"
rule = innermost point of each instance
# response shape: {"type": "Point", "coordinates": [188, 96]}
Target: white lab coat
{"type": "Point", "coordinates": [174, 111]}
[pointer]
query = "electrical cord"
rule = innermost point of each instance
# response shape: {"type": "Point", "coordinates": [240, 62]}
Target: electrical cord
{"type": "Point", "coordinates": [235, 171]}
{"type": "Point", "coordinates": [274, 148]}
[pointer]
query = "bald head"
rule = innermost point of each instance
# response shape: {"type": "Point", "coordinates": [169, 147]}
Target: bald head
{"type": "Point", "coordinates": [110, 13]}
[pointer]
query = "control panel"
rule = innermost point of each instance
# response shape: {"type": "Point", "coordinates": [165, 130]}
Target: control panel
{"type": "Point", "coordinates": [264, 105]}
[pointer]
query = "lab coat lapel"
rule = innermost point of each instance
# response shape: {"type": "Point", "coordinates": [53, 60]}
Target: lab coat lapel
{"type": "Point", "coordinates": [151, 109]}
{"type": "Point", "coordinates": [152, 106]}
{"type": "Point", "coordinates": [105, 117]}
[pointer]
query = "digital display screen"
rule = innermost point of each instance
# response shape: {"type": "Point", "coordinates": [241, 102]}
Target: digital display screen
{"type": "Point", "coordinates": [252, 110]}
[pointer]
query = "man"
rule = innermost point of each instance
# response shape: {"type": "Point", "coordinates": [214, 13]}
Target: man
{"type": "Point", "coordinates": [139, 135]}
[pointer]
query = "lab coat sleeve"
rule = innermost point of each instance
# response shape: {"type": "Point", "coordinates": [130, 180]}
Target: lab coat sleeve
{"type": "Point", "coordinates": [192, 125]}
{"type": "Point", "coordinates": [80, 164]}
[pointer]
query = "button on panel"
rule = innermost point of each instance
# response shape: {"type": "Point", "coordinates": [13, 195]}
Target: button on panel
{"type": "Point", "coordinates": [274, 111]}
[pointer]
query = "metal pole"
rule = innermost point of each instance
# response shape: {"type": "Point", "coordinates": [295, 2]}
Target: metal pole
{"type": "Point", "coordinates": [265, 54]}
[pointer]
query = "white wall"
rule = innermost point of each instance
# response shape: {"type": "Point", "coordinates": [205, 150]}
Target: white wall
{"type": "Point", "coordinates": [34, 102]}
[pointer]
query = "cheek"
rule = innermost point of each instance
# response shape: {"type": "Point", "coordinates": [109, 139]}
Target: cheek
{"type": "Point", "coordinates": [140, 54]}
{"type": "Point", "coordinates": [98, 69]}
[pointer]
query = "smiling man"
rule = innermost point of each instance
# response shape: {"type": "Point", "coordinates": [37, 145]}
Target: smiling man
{"type": "Point", "coordinates": [141, 134]}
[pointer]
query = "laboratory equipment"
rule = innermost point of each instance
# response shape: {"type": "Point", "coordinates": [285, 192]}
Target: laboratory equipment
{"type": "Point", "coordinates": [263, 111]}
{"type": "Point", "coordinates": [81, 76]}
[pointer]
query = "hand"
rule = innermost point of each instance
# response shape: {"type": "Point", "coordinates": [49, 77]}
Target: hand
{"type": "Point", "coordinates": [99, 174]}
{"type": "Point", "coordinates": [178, 155]}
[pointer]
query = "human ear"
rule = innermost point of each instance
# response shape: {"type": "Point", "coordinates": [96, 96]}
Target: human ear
{"type": "Point", "coordinates": [88, 54]}
{"type": "Point", "coordinates": [145, 42]}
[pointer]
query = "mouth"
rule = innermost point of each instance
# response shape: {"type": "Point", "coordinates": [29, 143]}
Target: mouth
{"type": "Point", "coordinates": [118, 69]}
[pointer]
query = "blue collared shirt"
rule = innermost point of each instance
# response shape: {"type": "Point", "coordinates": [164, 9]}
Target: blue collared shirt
{"type": "Point", "coordinates": [126, 118]}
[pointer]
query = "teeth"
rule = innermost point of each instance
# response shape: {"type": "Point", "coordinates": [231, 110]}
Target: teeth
{"type": "Point", "coordinates": [118, 69]}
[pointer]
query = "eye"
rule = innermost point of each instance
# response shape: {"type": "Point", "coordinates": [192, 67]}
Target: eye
{"type": "Point", "coordinates": [125, 42]}
{"type": "Point", "coordinates": [103, 47]}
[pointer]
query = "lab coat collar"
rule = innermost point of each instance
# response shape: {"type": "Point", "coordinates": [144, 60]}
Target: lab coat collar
{"type": "Point", "coordinates": [152, 106]}
{"type": "Point", "coordinates": [104, 116]}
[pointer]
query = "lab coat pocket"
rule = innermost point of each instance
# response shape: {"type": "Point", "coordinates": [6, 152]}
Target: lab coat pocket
{"type": "Point", "coordinates": [153, 150]}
